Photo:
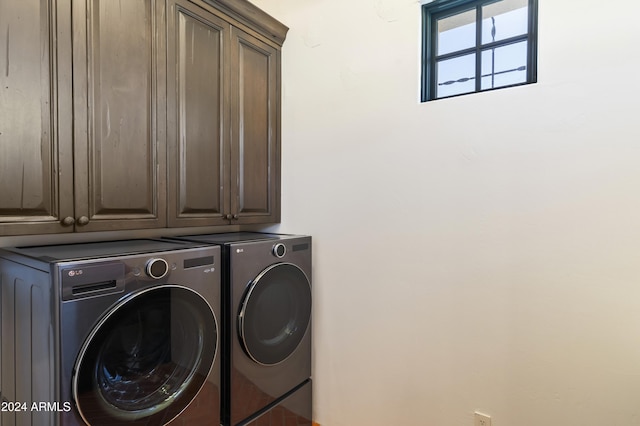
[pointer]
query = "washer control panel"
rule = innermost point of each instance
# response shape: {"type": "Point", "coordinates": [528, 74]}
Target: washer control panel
{"type": "Point", "coordinates": [279, 250]}
{"type": "Point", "coordinates": [157, 268]}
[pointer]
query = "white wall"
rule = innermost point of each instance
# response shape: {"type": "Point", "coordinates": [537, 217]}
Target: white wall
{"type": "Point", "coordinates": [475, 253]}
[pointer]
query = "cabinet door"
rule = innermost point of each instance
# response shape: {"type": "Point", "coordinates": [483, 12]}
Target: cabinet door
{"type": "Point", "coordinates": [197, 119]}
{"type": "Point", "coordinates": [119, 114]}
{"type": "Point", "coordinates": [255, 129]}
{"type": "Point", "coordinates": [35, 117]}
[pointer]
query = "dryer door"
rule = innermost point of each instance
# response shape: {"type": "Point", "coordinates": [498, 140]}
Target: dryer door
{"type": "Point", "coordinates": [275, 313]}
{"type": "Point", "coordinates": [146, 359]}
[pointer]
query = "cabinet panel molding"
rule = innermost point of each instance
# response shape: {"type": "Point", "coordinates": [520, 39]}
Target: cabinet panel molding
{"type": "Point", "coordinates": [197, 122]}
{"type": "Point", "coordinates": [255, 144]}
{"type": "Point", "coordinates": [247, 14]}
{"type": "Point", "coordinates": [31, 173]}
{"type": "Point", "coordinates": [118, 152]}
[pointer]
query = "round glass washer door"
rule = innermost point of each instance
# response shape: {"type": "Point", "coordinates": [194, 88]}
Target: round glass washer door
{"type": "Point", "coordinates": [275, 313]}
{"type": "Point", "coordinates": [146, 359]}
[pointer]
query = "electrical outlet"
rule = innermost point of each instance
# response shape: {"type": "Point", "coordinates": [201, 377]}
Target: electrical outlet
{"type": "Point", "coordinates": [480, 419]}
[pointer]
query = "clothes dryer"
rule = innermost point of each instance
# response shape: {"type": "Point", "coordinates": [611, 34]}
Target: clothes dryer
{"type": "Point", "coordinates": [111, 333]}
{"type": "Point", "coordinates": [267, 327]}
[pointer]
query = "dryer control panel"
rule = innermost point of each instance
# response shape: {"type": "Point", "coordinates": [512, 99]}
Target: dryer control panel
{"type": "Point", "coordinates": [279, 250]}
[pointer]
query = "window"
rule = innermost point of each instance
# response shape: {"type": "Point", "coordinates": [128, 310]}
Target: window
{"type": "Point", "coordinates": [476, 45]}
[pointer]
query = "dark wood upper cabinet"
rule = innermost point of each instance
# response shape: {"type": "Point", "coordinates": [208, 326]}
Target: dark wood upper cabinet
{"type": "Point", "coordinates": [138, 114]}
{"type": "Point", "coordinates": [35, 119]}
{"type": "Point", "coordinates": [255, 144]}
{"type": "Point", "coordinates": [119, 114]}
{"type": "Point", "coordinates": [223, 116]}
{"type": "Point", "coordinates": [197, 120]}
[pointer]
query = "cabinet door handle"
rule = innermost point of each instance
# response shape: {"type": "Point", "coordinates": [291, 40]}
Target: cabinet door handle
{"type": "Point", "coordinates": [229, 216]}
{"type": "Point", "coordinates": [68, 221]}
{"type": "Point", "coordinates": [83, 220]}
{"type": "Point", "coordinates": [236, 216]}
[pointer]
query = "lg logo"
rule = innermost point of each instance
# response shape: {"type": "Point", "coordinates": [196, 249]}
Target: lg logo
{"type": "Point", "coordinates": [73, 273]}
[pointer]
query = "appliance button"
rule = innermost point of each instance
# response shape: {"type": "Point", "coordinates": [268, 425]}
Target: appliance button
{"type": "Point", "coordinates": [157, 268]}
{"type": "Point", "coordinates": [279, 250]}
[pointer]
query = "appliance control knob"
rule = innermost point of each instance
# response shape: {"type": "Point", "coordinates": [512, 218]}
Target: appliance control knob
{"type": "Point", "coordinates": [279, 250]}
{"type": "Point", "coordinates": [157, 268]}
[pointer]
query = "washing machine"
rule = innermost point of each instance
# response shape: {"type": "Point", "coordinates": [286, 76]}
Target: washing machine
{"type": "Point", "coordinates": [266, 297]}
{"type": "Point", "coordinates": [111, 333]}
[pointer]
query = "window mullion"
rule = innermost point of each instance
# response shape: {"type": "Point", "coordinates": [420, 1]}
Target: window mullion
{"type": "Point", "coordinates": [532, 44]}
{"type": "Point", "coordinates": [433, 63]}
{"type": "Point", "coordinates": [456, 54]}
{"type": "Point", "coordinates": [478, 47]}
{"type": "Point", "coordinates": [505, 42]}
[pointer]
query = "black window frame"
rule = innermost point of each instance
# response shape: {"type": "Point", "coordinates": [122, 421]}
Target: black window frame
{"type": "Point", "coordinates": [438, 9]}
